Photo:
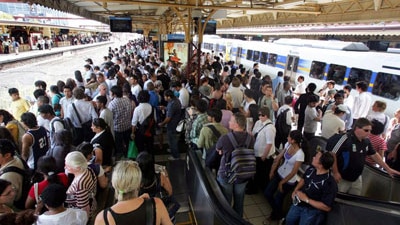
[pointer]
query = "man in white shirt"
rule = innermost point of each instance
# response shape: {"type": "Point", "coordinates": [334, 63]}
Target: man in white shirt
{"type": "Point", "coordinates": [300, 87]}
{"type": "Point", "coordinates": [332, 122]}
{"type": "Point", "coordinates": [363, 102]}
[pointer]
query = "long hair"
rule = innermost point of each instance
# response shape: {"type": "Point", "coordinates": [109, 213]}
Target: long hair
{"type": "Point", "coordinates": [146, 164]}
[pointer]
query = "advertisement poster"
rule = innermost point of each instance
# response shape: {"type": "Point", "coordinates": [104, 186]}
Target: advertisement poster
{"type": "Point", "coordinates": [177, 52]}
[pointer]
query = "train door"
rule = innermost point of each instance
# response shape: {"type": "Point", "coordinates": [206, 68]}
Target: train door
{"type": "Point", "coordinates": [292, 62]}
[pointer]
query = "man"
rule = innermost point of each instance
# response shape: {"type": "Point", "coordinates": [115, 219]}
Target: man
{"type": "Point", "coordinates": [285, 91]}
{"type": "Point", "coordinates": [140, 115]}
{"type": "Point", "coordinates": [122, 114]}
{"type": "Point", "coordinates": [332, 123]}
{"type": "Point", "coordinates": [55, 125]}
{"type": "Point", "coordinates": [101, 80]}
{"type": "Point", "coordinates": [349, 151]}
{"type": "Point", "coordinates": [237, 124]}
{"type": "Point", "coordinates": [103, 91]}
{"type": "Point", "coordinates": [236, 93]}
{"type": "Point", "coordinates": [268, 100]}
{"type": "Point", "coordinates": [207, 137]}
{"type": "Point", "coordinates": [264, 147]}
{"type": "Point", "coordinates": [348, 116]}
{"type": "Point", "coordinates": [135, 87]}
{"type": "Point", "coordinates": [315, 193]}
{"type": "Point", "coordinates": [362, 102]}
{"type": "Point", "coordinates": [172, 119]}
{"type": "Point", "coordinates": [66, 100]}
{"type": "Point", "coordinates": [311, 118]}
{"type": "Point", "coordinates": [104, 112]}
{"type": "Point", "coordinates": [80, 114]}
{"type": "Point", "coordinates": [8, 159]}
{"type": "Point", "coordinates": [283, 123]}
{"type": "Point", "coordinates": [300, 87]}
{"type": "Point", "coordinates": [277, 83]}
{"type": "Point", "coordinates": [18, 105]}
{"type": "Point", "coordinates": [198, 123]}
{"type": "Point", "coordinates": [183, 95]}
{"type": "Point", "coordinates": [301, 104]}
{"type": "Point", "coordinates": [35, 141]}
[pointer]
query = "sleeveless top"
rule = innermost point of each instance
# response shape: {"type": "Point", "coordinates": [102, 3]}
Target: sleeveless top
{"type": "Point", "coordinates": [39, 146]}
{"type": "Point", "coordinates": [137, 216]}
{"type": "Point", "coordinates": [154, 189]}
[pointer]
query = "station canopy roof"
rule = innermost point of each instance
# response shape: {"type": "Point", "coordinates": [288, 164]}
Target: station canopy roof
{"type": "Point", "coordinates": [173, 15]}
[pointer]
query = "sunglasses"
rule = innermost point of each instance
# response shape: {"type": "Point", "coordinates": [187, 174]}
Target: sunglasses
{"type": "Point", "coordinates": [261, 114]}
{"type": "Point", "coordinates": [367, 130]}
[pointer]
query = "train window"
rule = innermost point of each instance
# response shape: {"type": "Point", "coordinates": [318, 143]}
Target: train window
{"type": "Point", "coordinates": [357, 74]}
{"type": "Point", "coordinates": [256, 56]}
{"type": "Point", "coordinates": [223, 49]}
{"type": "Point", "coordinates": [263, 57]}
{"type": "Point", "coordinates": [289, 63]}
{"type": "Point", "coordinates": [295, 64]}
{"type": "Point", "coordinates": [249, 54]}
{"type": "Point", "coordinates": [272, 59]}
{"type": "Point", "coordinates": [336, 73]}
{"type": "Point", "coordinates": [387, 85]}
{"type": "Point", "coordinates": [317, 70]}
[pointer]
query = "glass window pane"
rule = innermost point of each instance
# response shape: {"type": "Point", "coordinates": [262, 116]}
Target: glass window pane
{"type": "Point", "coordinates": [289, 63]}
{"type": "Point", "coordinates": [317, 70]}
{"type": "Point", "coordinates": [256, 56]}
{"type": "Point", "coordinates": [272, 59]}
{"type": "Point", "coordinates": [387, 85]}
{"type": "Point", "coordinates": [249, 55]}
{"type": "Point", "coordinates": [336, 73]}
{"type": "Point", "coordinates": [264, 58]}
{"type": "Point", "coordinates": [296, 64]}
{"type": "Point", "coordinates": [357, 74]}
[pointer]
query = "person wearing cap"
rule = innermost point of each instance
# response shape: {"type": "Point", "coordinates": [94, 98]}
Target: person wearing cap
{"type": "Point", "coordinates": [332, 122]}
{"type": "Point", "coordinates": [348, 116]}
{"type": "Point", "coordinates": [18, 104]}
{"type": "Point", "coordinates": [349, 151]}
{"type": "Point", "coordinates": [47, 113]}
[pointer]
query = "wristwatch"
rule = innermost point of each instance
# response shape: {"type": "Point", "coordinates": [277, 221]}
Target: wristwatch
{"type": "Point", "coordinates": [308, 201]}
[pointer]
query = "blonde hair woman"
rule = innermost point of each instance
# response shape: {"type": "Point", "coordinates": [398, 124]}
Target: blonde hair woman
{"type": "Point", "coordinates": [82, 191]}
{"type": "Point", "coordinates": [131, 209]}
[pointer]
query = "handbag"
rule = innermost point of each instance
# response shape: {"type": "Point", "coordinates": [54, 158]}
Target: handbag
{"type": "Point", "coordinates": [132, 150]}
{"type": "Point", "coordinates": [181, 126]}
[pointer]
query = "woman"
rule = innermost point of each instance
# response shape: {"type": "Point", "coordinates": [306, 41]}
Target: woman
{"type": "Point", "coordinates": [62, 146]}
{"type": "Point", "coordinates": [82, 191]}
{"type": "Point", "coordinates": [55, 99]}
{"type": "Point", "coordinates": [155, 181]}
{"type": "Point", "coordinates": [79, 79]}
{"type": "Point", "coordinates": [7, 195]}
{"type": "Point", "coordinates": [12, 125]}
{"type": "Point", "coordinates": [130, 209]}
{"type": "Point", "coordinates": [284, 179]}
{"type": "Point", "coordinates": [6, 134]}
{"type": "Point", "coordinates": [53, 198]}
{"type": "Point", "coordinates": [47, 167]}
{"type": "Point", "coordinates": [103, 142]}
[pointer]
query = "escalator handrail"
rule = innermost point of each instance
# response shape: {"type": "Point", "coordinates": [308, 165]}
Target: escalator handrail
{"type": "Point", "coordinates": [220, 206]}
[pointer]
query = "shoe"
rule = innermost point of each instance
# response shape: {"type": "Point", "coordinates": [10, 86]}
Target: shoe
{"type": "Point", "coordinates": [171, 158]}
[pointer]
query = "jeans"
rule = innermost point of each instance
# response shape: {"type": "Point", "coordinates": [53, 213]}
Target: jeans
{"type": "Point", "coordinates": [275, 197]}
{"type": "Point", "coordinates": [235, 190]}
{"type": "Point", "coordinates": [173, 138]}
{"type": "Point", "coordinates": [304, 215]}
{"type": "Point", "coordinates": [122, 142]}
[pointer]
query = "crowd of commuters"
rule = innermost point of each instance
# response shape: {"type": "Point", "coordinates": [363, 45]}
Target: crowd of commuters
{"type": "Point", "coordinates": [85, 124]}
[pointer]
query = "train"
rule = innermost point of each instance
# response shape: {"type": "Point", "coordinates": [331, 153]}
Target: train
{"type": "Point", "coordinates": [318, 61]}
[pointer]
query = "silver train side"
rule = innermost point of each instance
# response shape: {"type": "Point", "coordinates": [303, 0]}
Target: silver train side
{"type": "Point", "coordinates": [318, 61]}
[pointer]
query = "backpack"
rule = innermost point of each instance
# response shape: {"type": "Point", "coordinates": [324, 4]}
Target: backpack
{"type": "Point", "coordinates": [147, 128]}
{"type": "Point", "coordinates": [67, 123]}
{"type": "Point", "coordinates": [28, 179]}
{"type": "Point", "coordinates": [280, 124]}
{"type": "Point", "coordinates": [240, 164]}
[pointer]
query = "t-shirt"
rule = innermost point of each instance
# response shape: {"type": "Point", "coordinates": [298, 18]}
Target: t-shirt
{"type": "Point", "coordinates": [350, 154]}
{"type": "Point", "coordinates": [69, 216]}
{"type": "Point", "coordinates": [289, 162]}
{"type": "Point", "coordinates": [42, 185]}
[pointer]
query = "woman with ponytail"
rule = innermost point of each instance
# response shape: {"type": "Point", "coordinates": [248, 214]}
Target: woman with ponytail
{"type": "Point", "coordinates": [283, 176]}
{"type": "Point", "coordinates": [47, 167]}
